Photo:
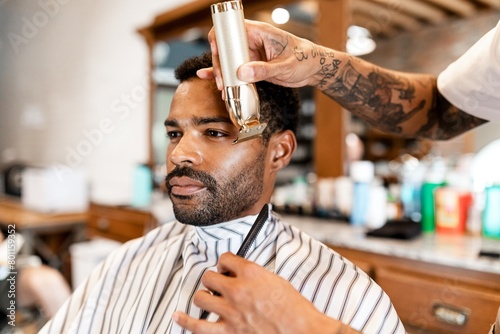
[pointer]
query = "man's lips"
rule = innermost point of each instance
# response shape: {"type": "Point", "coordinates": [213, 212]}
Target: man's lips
{"type": "Point", "coordinates": [185, 186]}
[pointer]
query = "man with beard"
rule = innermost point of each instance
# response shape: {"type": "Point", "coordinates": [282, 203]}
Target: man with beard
{"type": "Point", "coordinates": [217, 189]}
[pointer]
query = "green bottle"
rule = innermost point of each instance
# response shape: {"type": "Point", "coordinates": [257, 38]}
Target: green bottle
{"type": "Point", "coordinates": [491, 213]}
{"type": "Point", "coordinates": [427, 206]}
{"type": "Point", "coordinates": [433, 180]}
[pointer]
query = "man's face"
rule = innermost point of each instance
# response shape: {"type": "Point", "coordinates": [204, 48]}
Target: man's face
{"type": "Point", "coordinates": [210, 179]}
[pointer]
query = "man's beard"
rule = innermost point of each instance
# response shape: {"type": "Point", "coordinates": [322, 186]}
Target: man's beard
{"type": "Point", "coordinates": [222, 200]}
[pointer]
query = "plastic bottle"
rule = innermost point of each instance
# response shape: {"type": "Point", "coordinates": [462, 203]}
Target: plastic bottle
{"type": "Point", "coordinates": [491, 213]}
{"type": "Point", "coordinates": [452, 203]}
{"type": "Point", "coordinates": [433, 180]}
{"type": "Point", "coordinates": [362, 173]}
{"type": "Point", "coordinates": [451, 209]}
{"type": "Point", "coordinates": [377, 206]}
{"type": "Point", "coordinates": [411, 178]}
{"type": "Point", "coordinates": [343, 195]}
{"type": "Point", "coordinates": [142, 186]}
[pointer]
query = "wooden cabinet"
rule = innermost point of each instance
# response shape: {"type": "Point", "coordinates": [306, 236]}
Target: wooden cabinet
{"type": "Point", "coordinates": [121, 223]}
{"type": "Point", "coordinates": [432, 298]}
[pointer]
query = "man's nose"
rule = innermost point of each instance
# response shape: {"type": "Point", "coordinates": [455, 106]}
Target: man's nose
{"type": "Point", "coordinates": [186, 152]}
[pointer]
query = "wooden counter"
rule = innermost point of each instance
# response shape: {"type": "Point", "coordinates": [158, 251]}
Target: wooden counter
{"type": "Point", "coordinates": [437, 283]}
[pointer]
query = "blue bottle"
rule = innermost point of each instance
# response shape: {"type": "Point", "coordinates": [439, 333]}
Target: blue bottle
{"type": "Point", "coordinates": [491, 214]}
{"type": "Point", "coordinates": [142, 186]}
{"type": "Point", "coordinates": [362, 174]}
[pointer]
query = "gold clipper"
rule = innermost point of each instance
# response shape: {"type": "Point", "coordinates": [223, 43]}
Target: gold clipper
{"type": "Point", "coordinates": [242, 100]}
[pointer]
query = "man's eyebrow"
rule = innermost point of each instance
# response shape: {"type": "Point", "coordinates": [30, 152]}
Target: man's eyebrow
{"type": "Point", "coordinates": [199, 121]}
{"type": "Point", "coordinates": [169, 122]}
{"type": "Point", "coordinates": [208, 120]}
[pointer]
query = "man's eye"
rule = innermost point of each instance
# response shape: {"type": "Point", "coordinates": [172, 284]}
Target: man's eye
{"type": "Point", "coordinates": [173, 134]}
{"type": "Point", "coordinates": [215, 133]}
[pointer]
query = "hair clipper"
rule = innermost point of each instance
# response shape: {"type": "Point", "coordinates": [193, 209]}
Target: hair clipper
{"type": "Point", "coordinates": [242, 100]}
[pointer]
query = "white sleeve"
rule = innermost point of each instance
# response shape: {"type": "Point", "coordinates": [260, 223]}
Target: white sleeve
{"type": "Point", "coordinates": [472, 82]}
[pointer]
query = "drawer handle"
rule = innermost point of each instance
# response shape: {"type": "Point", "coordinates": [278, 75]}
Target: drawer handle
{"type": "Point", "coordinates": [103, 224]}
{"type": "Point", "coordinates": [449, 314]}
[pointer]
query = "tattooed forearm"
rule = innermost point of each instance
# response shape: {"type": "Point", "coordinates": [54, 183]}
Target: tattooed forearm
{"type": "Point", "coordinates": [400, 103]}
{"type": "Point", "coordinates": [328, 71]}
{"type": "Point", "coordinates": [445, 121]}
{"type": "Point", "coordinates": [379, 98]}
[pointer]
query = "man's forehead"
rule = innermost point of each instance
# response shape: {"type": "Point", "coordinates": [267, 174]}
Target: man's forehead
{"type": "Point", "coordinates": [196, 85]}
{"type": "Point", "coordinates": [210, 113]}
{"type": "Point", "coordinates": [196, 99]}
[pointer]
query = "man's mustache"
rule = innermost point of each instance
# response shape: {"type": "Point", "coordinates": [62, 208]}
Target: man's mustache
{"type": "Point", "coordinates": [199, 176]}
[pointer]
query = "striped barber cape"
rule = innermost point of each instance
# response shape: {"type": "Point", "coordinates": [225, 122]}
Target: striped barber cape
{"type": "Point", "coordinates": [139, 286]}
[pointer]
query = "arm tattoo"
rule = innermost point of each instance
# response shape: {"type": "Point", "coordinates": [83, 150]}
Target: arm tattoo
{"type": "Point", "coordinates": [445, 121]}
{"type": "Point", "coordinates": [300, 54]}
{"type": "Point", "coordinates": [378, 98]}
{"type": "Point", "coordinates": [385, 100]}
{"type": "Point", "coordinates": [279, 46]}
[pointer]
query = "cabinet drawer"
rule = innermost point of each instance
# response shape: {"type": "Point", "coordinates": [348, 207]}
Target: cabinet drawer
{"type": "Point", "coordinates": [436, 305]}
{"type": "Point", "coordinates": [116, 229]}
{"type": "Point", "coordinates": [119, 223]}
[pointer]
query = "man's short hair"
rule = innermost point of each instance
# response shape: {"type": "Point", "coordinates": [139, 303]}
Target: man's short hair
{"type": "Point", "coordinates": [279, 106]}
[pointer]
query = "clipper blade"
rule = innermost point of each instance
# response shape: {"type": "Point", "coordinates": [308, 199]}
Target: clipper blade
{"type": "Point", "coordinates": [250, 132]}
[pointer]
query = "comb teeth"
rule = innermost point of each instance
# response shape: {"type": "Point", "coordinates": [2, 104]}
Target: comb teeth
{"type": "Point", "coordinates": [251, 132]}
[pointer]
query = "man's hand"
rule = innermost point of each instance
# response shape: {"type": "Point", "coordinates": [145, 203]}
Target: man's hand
{"type": "Point", "coordinates": [275, 55]}
{"type": "Point", "coordinates": [254, 300]}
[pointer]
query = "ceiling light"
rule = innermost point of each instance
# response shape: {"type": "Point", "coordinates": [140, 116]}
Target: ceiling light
{"type": "Point", "coordinates": [359, 41]}
{"type": "Point", "coordinates": [280, 16]}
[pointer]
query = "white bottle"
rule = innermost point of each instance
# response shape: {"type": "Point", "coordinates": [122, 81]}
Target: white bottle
{"type": "Point", "coordinates": [377, 205]}
{"type": "Point", "coordinates": [362, 173]}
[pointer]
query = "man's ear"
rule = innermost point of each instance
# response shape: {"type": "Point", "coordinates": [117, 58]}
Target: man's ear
{"type": "Point", "coordinates": [282, 146]}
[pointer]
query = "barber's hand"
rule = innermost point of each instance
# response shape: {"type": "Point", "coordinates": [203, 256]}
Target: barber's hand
{"type": "Point", "coordinates": [254, 300]}
{"type": "Point", "coordinates": [276, 56]}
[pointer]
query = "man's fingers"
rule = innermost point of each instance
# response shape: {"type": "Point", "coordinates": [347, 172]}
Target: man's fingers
{"type": "Point", "coordinates": [213, 43]}
{"type": "Point", "coordinates": [273, 71]}
{"type": "Point", "coordinates": [217, 72]}
{"type": "Point", "coordinates": [216, 281]}
{"type": "Point", "coordinates": [230, 263]}
{"type": "Point", "coordinates": [205, 73]}
{"type": "Point", "coordinates": [214, 304]}
{"type": "Point", "coordinates": [254, 71]}
{"type": "Point", "coordinates": [194, 325]}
